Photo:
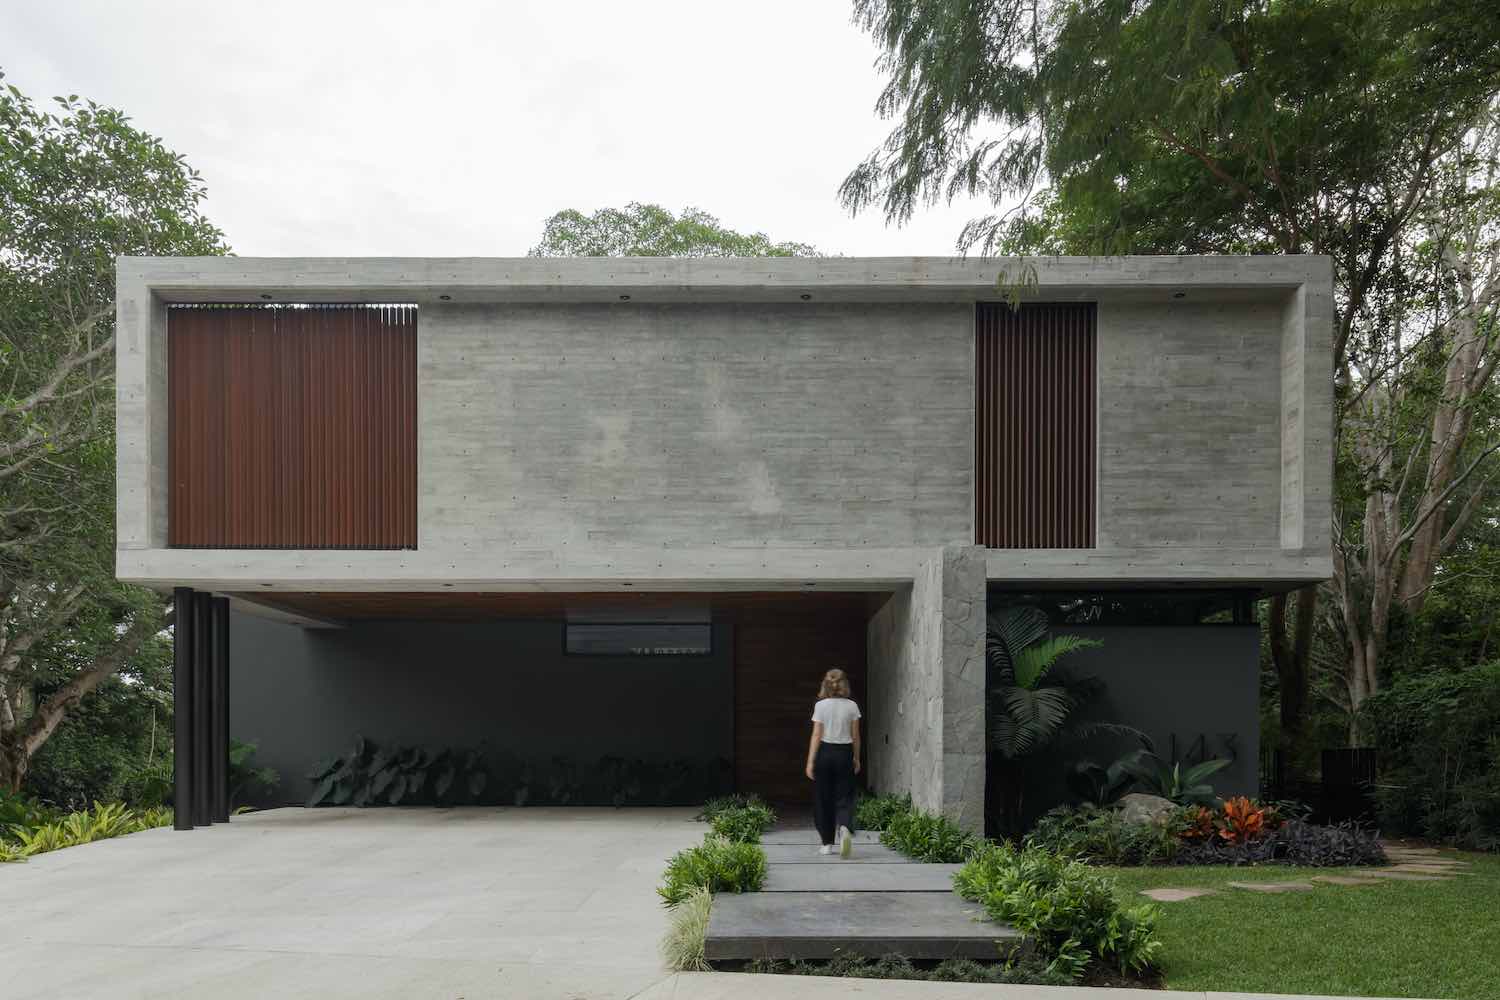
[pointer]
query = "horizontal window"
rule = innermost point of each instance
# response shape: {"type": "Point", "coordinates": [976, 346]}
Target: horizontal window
{"type": "Point", "coordinates": [647, 639]}
{"type": "Point", "coordinates": [1135, 607]}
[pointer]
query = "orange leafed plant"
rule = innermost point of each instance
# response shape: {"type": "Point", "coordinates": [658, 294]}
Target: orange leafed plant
{"type": "Point", "coordinates": [1197, 823]}
{"type": "Point", "coordinates": [1242, 820]}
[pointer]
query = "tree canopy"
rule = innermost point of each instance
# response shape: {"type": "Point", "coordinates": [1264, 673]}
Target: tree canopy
{"type": "Point", "coordinates": [640, 230]}
{"type": "Point", "coordinates": [1361, 129]}
{"type": "Point", "coordinates": [79, 185]}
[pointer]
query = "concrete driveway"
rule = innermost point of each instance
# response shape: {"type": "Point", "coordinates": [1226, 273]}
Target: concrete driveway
{"type": "Point", "coordinates": [409, 903]}
{"type": "Point", "coordinates": [460, 904]}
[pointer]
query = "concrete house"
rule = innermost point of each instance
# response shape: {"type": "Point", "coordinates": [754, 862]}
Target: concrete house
{"type": "Point", "coordinates": [585, 512]}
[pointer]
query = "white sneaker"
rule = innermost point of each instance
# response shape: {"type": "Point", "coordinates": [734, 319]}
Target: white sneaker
{"type": "Point", "coordinates": [826, 849]}
{"type": "Point", "coordinates": [846, 841]}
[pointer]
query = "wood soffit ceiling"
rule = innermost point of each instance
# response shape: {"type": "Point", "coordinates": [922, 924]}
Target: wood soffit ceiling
{"type": "Point", "coordinates": [457, 606]}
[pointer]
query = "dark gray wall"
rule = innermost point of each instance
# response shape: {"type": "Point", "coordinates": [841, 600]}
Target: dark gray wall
{"type": "Point", "coordinates": [1186, 683]}
{"type": "Point", "coordinates": [303, 694]}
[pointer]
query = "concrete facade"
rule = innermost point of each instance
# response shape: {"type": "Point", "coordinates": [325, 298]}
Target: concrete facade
{"type": "Point", "coordinates": [591, 425]}
{"type": "Point", "coordinates": [778, 426]}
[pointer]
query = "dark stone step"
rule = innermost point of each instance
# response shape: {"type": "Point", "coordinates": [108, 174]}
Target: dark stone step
{"type": "Point", "coordinates": [809, 837]}
{"type": "Point", "coordinates": [807, 854]}
{"type": "Point", "coordinates": [919, 925]}
{"type": "Point", "coordinates": [859, 878]}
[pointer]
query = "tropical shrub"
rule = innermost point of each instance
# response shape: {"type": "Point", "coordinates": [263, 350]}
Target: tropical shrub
{"type": "Point", "coordinates": [1101, 836]}
{"type": "Point", "coordinates": [745, 823]}
{"type": "Point", "coordinates": [718, 865]}
{"type": "Point", "coordinates": [1183, 785]}
{"type": "Point", "coordinates": [682, 947]}
{"type": "Point", "coordinates": [22, 812]}
{"type": "Point", "coordinates": [1064, 909]}
{"type": "Point", "coordinates": [875, 812]}
{"type": "Point", "coordinates": [102, 822]}
{"type": "Point", "coordinates": [1020, 969]}
{"type": "Point", "coordinates": [1099, 784]}
{"type": "Point", "coordinates": [247, 777]}
{"type": "Point", "coordinates": [724, 803]}
{"type": "Point", "coordinates": [926, 837]}
{"type": "Point", "coordinates": [1294, 842]}
{"type": "Point", "coordinates": [370, 775]}
{"type": "Point", "coordinates": [1033, 707]}
{"type": "Point", "coordinates": [1439, 736]}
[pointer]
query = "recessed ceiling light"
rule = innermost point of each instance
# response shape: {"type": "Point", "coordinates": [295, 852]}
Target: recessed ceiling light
{"type": "Point", "coordinates": [624, 298]}
{"type": "Point", "coordinates": [265, 295]}
{"type": "Point", "coordinates": [1179, 295]}
{"type": "Point", "coordinates": [446, 298]}
{"type": "Point", "coordinates": [805, 296]}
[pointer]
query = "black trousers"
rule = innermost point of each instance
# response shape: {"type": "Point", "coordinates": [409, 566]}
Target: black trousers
{"type": "Point", "coordinates": [833, 789]}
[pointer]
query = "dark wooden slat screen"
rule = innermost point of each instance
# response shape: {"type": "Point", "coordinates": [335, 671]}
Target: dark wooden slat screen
{"type": "Point", "coordinates": [292, 428]}
{"type": "Point", "coordinates": [1035, 438]}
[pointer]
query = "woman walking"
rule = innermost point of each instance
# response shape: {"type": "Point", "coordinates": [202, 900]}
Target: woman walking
{"type": "Point", "coordinates": [832, 763]}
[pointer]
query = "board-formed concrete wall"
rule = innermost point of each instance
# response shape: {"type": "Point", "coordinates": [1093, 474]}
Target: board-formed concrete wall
{"type": "Point", "coordinates": [1190, 425]}
{"type": "Point", "coordinates": [767, 425]}
{"type": "Point", "coordinates": [302, 695]}
{"type": "Point", "coordinates": [926, 680]}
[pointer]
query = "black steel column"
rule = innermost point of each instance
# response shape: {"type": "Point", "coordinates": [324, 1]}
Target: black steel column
{"type": "Point", "coordinates": [220, 674]}
{"type": "Point", "coordinates": [203, 712]}
{"type": "Point", "coordinates": [182, 708]}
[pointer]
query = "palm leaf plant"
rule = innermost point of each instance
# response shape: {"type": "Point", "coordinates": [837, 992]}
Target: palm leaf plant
{"type": "Point", "coordinates": [1033, 705]}
{"type": "Point", "coordinates": [1185, 785]}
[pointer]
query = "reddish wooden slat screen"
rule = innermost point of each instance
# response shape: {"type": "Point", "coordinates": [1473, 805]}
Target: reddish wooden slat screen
{"type": "Point", "coordinates": [292, 428]}
{"type": "Point", "coordinates": [1035, 435]}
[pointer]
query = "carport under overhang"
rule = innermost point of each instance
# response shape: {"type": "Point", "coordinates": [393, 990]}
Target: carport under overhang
{"type": "Point", "coordinates": [782, 642]}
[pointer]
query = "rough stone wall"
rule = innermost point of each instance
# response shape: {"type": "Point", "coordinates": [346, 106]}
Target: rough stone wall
{"type": "Point", "coordinates": [963, 623]}
{"type": "Point", "coordinates": [926, 680]}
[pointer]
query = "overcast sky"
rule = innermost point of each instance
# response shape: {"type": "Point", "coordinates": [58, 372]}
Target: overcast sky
{"type": "Point", "coordinates": [456, 128]}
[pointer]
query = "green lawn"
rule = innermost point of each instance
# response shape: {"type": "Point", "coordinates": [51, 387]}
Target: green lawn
{"type": "Point", "coordinates": [1394, 939]}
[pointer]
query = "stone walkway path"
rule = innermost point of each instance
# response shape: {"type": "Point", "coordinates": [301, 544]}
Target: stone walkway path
{"type": "Point", "coordinates": [876, 902]}
{"type": "Point", "coordinates": [1408, 864]}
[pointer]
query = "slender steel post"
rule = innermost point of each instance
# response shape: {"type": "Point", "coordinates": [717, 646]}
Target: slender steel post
{"type": "Point", "coordinates": [182, 708]}
{"type": "Point", "coordinates": [220, 673]}
{"type": "Point", "coordinates": [203, 712]}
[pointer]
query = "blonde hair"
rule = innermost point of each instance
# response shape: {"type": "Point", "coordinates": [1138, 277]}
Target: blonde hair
{"type": "Point", "coordinates": [835, 685]}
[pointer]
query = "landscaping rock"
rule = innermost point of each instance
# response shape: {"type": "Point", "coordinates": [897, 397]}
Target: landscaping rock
{"type": "Point", "coordinates": [1344, 880]}
{"type": "Point", "coordinates": [1175, 895]}
{"type": "Point", "coordinates": [1146, 810]}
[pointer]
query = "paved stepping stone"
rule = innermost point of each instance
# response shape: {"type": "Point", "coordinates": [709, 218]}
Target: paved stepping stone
{"type": "Point", "coordinates": [810, 837]}
{"type": "Point", "coordinates": [1175, 895]}
{"type": "Point", "coordinates": [1408, 876]}
{"type": "Point", "coordinates": [859, 878]}
{"type": "Point", "coordinates": [1344, 880]}
{"type": "Point", "coordinates": [919, 925]}
{"type": "Point", "coordinates": [806, 854]}
{"type": "Point", "coordinates": [1273, 886]}
{"type": "Point", "coordinates": [1424, 869]}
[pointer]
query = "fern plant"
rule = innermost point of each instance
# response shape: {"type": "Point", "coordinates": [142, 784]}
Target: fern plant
{"type": "Point", "coordinates": [1033, 705]}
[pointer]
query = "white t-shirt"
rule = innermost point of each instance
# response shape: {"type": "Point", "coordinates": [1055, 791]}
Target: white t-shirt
{"type": "Point", "coordinates": [837, 716]}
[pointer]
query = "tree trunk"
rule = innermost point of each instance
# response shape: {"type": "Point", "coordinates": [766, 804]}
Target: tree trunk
{"type": "Point", "coordinates": [14, 764]}
{"type": "Point", "coordinates": [1289, 655]}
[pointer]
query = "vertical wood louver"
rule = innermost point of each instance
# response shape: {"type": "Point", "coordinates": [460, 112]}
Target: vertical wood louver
{"type": "Point", "coordinates": [1035, 434]}
{"type": "Point", "coordinates": [292, 428]}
